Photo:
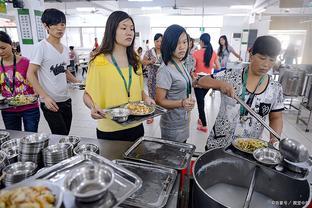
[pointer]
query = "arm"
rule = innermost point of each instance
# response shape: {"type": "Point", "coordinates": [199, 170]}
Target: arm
{"type": "Point", "coordinates": [207, 82]}
{"type": "Point", "coordinates": [96, 112]}
{"type": "Point", "coordinates": [32, 76]}
{"type": "Point", "coordinates": [70, 77]}
{"type": "Point", "coordinates": [148, 100]}
{"type": "Point", "coordinates": [217, 64]}
{"type": "Point", "coordinates": [276, 123]}
{"type": "Point", "coordinates": [237, 55]}
{"type": "Point", "coordinates": [171, 104]}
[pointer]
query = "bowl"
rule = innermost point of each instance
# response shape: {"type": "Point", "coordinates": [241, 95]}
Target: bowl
{"type": "Point", "coordinates": [11, 143]}
{"type": "Point", "coordinates": [82, 148]}
{"type": "Point", "coordinates": [3, 160]}
{"type": "Point", "coordinates": [12, 153]}
{"type": "Point", "coordinates": [18, 171]}
{"type": "Point", "coordinates": [120, 114]}
{"type": "Point", "coordinates": [268, 156]}
{"type": "Point", "coordinates": [4, 136]}
{"type": "Point", "coordinates": [74, 140]}
{"type": "Point", "coordinates": [90, 182]}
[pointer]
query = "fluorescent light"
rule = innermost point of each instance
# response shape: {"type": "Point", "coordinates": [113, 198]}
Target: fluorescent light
{"type": "Point", "coordinates": [140, 0]}
{"type": "Point", "coordinates": [260, 11]}
{"type": "Point", "coordinates": [151, 8]}
{"type": "Point", "coordinates": [85, 9]}
{"type": "Point", "coordinates": [241, 7]}
{"type": "Point", "coordinates": [237, 15]}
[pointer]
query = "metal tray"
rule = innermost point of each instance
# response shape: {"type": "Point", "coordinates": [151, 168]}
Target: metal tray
{"type": "Point", "coordinates": [230, 149]}
{"type": "Point", "coordinates": [55, 189]}
{"type": "Point", "coordinates": [157, 184]}
{"type": "Point", "coordinates": [125, 182]}
{"type": "Point", "coordinates": [170, 154]}
{"type": "Point", "coordinates": [133, 119]}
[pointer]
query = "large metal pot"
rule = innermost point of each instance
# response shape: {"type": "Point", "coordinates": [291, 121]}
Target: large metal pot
{"type": "Point", "coordinates": [223, 180]}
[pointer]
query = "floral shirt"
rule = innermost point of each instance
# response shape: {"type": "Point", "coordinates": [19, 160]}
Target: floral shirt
{"type": "Point", "coordinates": [228, 124]}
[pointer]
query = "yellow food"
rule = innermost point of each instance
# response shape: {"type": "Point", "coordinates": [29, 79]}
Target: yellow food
{"type": "Point", "coordinates": [22, 100]}
{"type": "Point", "coordinates": [138, 108]}
{"type": "Point", "coordinates": [27, 197]}
{"type": "Point", "coordinates": [249, 145]}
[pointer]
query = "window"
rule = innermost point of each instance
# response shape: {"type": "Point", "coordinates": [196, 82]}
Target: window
{"type": "Point", "coordinates": [88, 35]}
{"type": "Point", "coordinates": [73, 37]}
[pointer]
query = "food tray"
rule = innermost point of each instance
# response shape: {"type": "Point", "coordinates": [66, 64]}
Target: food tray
{"type": "Point", "coordinates": [124, 185]}
{"type": "Point", "coordinates": [157, 184]}
{"type": "Point", "coordinates": [259, 141]}
{"type": "Point", "coordinates": [170, 154]}
{"type": "Point", "coordinates": [151, 109]}
{"type": "Point", "coordinates": [55, 189]}
{"type": "Point", "coordinates": [6, 104]}
{"type": "Point", "coordinates": [133, 119]}
{"type": "Point", "coordinates": [230, 149]}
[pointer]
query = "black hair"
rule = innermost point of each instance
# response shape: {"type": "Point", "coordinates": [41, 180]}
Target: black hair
{"type": "Point", "coordinates": [221, 47]}
{"type": "Point", "coordinates": [157, 36]}
{"type": "Point", "coordinates": [170, 42]}
{"type": "Point", "coordinates": [205, 38]}
{"type": "Point", "coordinates": [71, 47]}
{"type": "Point", "coordinates": [266, 45]}
{"type": "Point", "coordinates": [4, 37]}
{"type": "Point", "coordinates": [53, 17]}
{"type": "Point", "coordinates": [109, 38]}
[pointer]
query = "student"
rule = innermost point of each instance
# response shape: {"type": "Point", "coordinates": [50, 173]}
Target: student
{"type": "Point", "coordinates": [152, 60]}
{"type": "Point", "coordinates": [225, 50]}
{"type": "Point", "coordinates": [114, 78]}
{"type": "Point", "coordinates": [257, 89]}
{"type": "Point", "coordinates": [73, 60]}
{"type": "Point", "coordinates": [13, 82]}
{"type": "Point", "coordinates": [205, 61]}
{"type": "Point", "coordinates": [48, 63]}
{"type": "Point", "coordinates": [173, 90]}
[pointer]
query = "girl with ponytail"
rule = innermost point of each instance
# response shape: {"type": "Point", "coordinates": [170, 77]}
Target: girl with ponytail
{"type": "Point", "coordinates": [206, 60]}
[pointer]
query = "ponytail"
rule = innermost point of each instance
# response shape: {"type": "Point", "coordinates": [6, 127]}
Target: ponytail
{"type": "Point", "coordinates": [205, 38]}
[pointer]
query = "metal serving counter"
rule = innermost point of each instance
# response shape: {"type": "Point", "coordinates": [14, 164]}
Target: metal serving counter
{"type": "Point", "coordinates": [111, 150]}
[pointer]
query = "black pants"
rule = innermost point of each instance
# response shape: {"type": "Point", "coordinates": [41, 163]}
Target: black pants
{"type": "Point", "coordinates": [60, 121]}
{"type": "Point", "coordinates": [131, 134]}
{"type": "Point", "coordinates": [200, 98]}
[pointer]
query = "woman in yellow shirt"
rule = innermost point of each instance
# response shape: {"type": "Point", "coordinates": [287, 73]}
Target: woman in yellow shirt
{"type": "Point", "coordinates": [115, 77]}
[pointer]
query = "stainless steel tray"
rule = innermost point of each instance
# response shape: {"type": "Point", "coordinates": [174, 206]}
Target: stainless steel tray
{"type": "Point", "coordinates": [125, 182]}
{"type": "Point", "coordinates": [157, 184]}
{"type": "Point", "coordinates": [170, 154]}
{"type": "Point", "coordinates": [133, 119]}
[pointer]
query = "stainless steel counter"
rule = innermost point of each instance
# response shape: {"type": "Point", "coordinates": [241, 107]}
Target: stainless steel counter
{"type": "Point", "coordinates": [110, 150]}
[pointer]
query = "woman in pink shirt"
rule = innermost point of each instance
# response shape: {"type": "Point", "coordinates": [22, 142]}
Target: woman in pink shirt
{"type": "Point", "coordinates": [205, 61]}
{"type": "Point", "coordinates": [13, 82]}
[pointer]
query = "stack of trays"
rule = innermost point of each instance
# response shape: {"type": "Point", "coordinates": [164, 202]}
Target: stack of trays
{"type": "Point", "coordinates": [4, 136]}
{"type": "Point", "coordinates": [11, 148]}
{"type": "Point", "coordinates": [18, 171]}
{"type": "Point", "coordinates": [56, 153]}
{"type": "Point", "coordinates": [31, 147]}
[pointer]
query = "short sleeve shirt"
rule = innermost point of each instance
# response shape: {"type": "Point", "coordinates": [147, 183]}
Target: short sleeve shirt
{"type": "Point", "coordinates": [170, 79]}
{"type": "Point", "coordinates": [224, 58]}
{"type": "Point", "coordinates": [228, 124]}
{"type": "Point", "coordinates": [51, 73]}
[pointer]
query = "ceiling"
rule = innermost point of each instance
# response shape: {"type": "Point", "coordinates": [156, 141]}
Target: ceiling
{"type": "Point", "coordinates": [186, 7]}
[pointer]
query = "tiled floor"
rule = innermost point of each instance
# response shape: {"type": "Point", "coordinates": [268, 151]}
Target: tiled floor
{"type": "Point", "coordinates": [83, 125]}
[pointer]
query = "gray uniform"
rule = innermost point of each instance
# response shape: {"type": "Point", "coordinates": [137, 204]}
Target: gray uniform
{"type": "Point", "coordinates": [174, 124]}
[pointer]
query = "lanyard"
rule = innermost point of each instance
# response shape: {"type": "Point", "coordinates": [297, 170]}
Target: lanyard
{"type": "Point", "coordinates": [127, 87]}
{"type": "Point", "coordinates": [6, 79]}
{"type": "Point", "coordinates": [187, 79]}
{"type": "Point", "coordinates": [242, 110]}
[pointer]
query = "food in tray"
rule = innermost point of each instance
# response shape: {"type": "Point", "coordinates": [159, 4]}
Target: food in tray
{"type": "Point", "coordinates": [22, 100]}
{"type": "Point", "coordinates": [140, 108]}
{"type": "Point", "coordinates": [249, 144]}
{"type": "Point", "coordinates": [27, 197]}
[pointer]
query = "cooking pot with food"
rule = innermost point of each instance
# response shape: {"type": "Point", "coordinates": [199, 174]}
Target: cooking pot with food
{"type": "Point", "coordinates": [223, 180]}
